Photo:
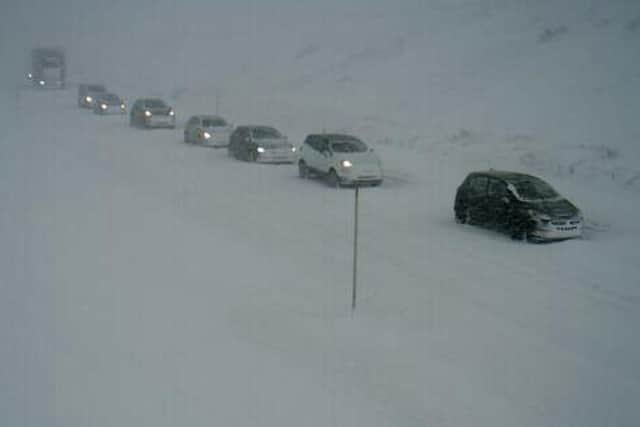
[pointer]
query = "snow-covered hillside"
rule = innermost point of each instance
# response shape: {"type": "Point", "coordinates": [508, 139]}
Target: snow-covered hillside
{"type": "Point", "coordinates": [146, 282]}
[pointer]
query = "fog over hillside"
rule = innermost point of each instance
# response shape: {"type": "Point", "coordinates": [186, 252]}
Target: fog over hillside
{"type": "Point", "coordinates": [148, 282]}
{"type": "Point", "coordinates": [565, 72]}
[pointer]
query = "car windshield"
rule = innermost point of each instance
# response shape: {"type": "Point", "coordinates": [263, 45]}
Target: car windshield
{"type": "Point", "coordinates": [96, 88]}
{"type": "Point", "coordinates": [531, 188]}
{"type": "Point", "coordinates": [155, 103]}
{"type": "Point", "coordinates": [111, 98]}
{"type": "Point", "coordinates": [351, 146]}
{"type": "Point", "coordinates": [213, 122]}
{"type": "Point", "coordinates": [265, 133]}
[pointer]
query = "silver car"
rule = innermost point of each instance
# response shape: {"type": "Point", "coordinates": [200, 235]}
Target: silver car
{"type": "Point", "coordinates": [109, 103]}
{"type": "Point", "coordinates": [208, 130]}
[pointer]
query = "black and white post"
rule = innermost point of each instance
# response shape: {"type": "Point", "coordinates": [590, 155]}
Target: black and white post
{"type": "Point", "coordinates": [355, 249]}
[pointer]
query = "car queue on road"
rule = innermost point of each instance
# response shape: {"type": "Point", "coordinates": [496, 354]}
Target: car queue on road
{"type": "Point", "coordinates": [520, 205]}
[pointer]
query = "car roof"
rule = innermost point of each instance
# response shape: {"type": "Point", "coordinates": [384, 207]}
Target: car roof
{"type": "Point", "coordinates": [504, 175]}
{"type": "Point", "coordinates": [335, 136]}
{"type": "Point", "coordinates": [208, 116]}
{"type": "Point", "coordinates": [251, 127]}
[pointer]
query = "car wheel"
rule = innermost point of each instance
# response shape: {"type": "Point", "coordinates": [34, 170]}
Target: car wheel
{"type": "Point", "coordinates": [519, 235]}
{"type": "Point", "coordinates": [332, 179]}
{"type": "Point", "coordinates": [461, 217]}
{"type": "Point", "coordinates": [521, 231]}
{"type": "Point", "coordinates": [464, 216]}
{"type": "Point", "coordinates": [303, 170]}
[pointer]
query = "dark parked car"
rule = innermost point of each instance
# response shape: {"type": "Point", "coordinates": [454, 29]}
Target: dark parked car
{"type": "Point", "coordinates": [152, 112]}
{"type": "Point", "coordinates": [261, 144]}
{"type": "Point", "coordinates": [524, 206]}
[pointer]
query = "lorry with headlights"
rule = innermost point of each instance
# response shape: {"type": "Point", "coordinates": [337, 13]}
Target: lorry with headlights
{"type": "Point", "coordinates": [47, 68]}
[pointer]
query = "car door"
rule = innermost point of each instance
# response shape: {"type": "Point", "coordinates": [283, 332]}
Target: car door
{"type": "Point", "coordinates": [475, 198]}
{"type": "Point", "coordinates": [188, 130]}
{"type": "Point", "coordinates": [311, 152]}
{"type": "Point", "coordinates": [316, 158]}
{"type": "Point", "coordinates": [498, 201]}
{"type": "Point", "coordinates": [194, 129]}
{"type": "Point", "coordinates": [306, 151]}
{"type": "Point", "coordinates": [246, 143]}
{"type": "Point", "coordinates": [236, 141]}
{"type": "Point", "coordinates": [134, 111]}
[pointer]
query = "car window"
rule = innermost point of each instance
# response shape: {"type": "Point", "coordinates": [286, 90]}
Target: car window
{"type": "Point", "coordinates": [351, 146]}
{"type": "Point", "coordinates": [109, 98]}
{"type": "Point", "coordinates": [497, 188]}
{"type": "Point", "coordinates": [312, 142]}
{"type": "Point", "coordinates": [478, 186]}
{"type": "Point", "coordinates": [265, 133]}
{"type": "Point", "coordinates": [531, 188]}
{"type": "Point", "coordinates": [240, 133]}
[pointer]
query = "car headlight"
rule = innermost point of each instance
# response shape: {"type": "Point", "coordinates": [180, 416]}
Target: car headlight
{"type": "Point", "coordinates": [206, 135]}
{"type": "Point", "coordinates": [294, 149]}
{"type": "Point", "coordinates": [123, 107]}
{"type": "Point", "coordinates": [88, 99]}
{"type": "Point", "coordinates": [103, 106]}
{"type": "Point", "coordinates": [41, 82]}
{"type": "Point", "coordinates": [147, 113]}
{"type": "Point", "coordinates": [171, 113]}
{"type": "Point", "coordinates": [346, 164]}
{"type": "Point", "coordinates": [260, 150]}
{"type": "Point", "coordinates": [30, 76]}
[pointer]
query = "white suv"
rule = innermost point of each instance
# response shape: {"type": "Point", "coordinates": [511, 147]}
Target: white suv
{"type": "Point", "coordinates": [341, 159]}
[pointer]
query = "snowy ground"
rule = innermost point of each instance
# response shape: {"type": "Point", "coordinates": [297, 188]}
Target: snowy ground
{"type": "Point", "coordinates": [148, 282]}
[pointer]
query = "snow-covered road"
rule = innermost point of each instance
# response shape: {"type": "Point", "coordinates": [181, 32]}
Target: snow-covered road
{"type": "Point", "coordinates": [149, 282]}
